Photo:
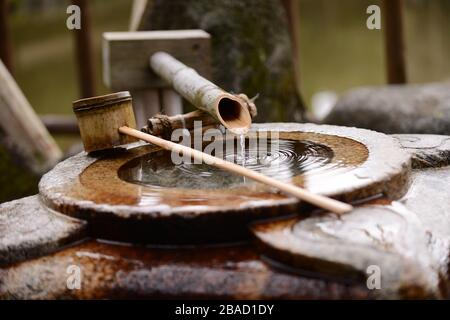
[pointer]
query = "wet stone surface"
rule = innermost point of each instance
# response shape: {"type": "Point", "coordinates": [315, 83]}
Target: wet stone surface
{"type": "Point", "coordinates": [408, 240]}
{"type": "Point", "coordinates": [423, 109]}
{"type": "Point", "coordinates": [28, 229]}
{"type": "Point", "coordinates": [315, 257]}
{"type": "Point", "coordinates": [113, 271]}
{"type": "Point", "coordinates": [427, 150]}
{"type": "Point", "coordinates": [429, 198]}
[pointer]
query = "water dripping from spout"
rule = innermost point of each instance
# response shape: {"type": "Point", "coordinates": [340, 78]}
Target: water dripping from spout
{"type": "Point", "coordinates": [242, 144]}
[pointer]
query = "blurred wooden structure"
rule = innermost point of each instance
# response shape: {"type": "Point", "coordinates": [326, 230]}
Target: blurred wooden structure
{"type": "Point", "coordinates": [60, 124]}
{"type": "Point", "coordinates": [126, 56]}
{"type": "Point", "coordinates": [5, 36]}
{"type": "Point", "coordinates": [150, 101]}
{"type": "Point", "coordinates": [394, 41]}
{"type": "Point", "coordinates": [84, 53]}
{"type": "Point", "coordinates": [392, 15]}
{"type": "Point", "coordinates": [22, 131]}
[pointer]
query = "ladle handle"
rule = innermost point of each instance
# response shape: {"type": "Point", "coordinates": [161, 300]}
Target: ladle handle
{"type": "Point", "coordinates": [303, 194]}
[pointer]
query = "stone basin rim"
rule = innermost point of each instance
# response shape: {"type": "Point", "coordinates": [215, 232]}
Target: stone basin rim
{"type": "Point", "coordinates": [53, 183]}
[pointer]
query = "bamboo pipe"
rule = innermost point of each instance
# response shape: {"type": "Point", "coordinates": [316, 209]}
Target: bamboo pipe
{"type": "Point", "coordinates": [162, 125]}
{"type": "Point", "coordinates": [303, 194]}
{"type": "Point", "coordinates": [230, 110]}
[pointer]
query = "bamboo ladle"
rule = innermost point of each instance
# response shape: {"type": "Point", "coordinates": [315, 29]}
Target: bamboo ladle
{"type": "Point", "coordinates": [303, 194]}
{"type": "Point", "coordinates": [108, 121]}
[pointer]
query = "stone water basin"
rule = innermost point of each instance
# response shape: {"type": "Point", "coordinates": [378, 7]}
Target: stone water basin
{"type": "Point", "coordinates": [140, 196]}
{"type": "Point", "coordinates": [34, 257]}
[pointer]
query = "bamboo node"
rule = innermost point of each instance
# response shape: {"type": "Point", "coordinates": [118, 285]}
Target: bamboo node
{"type": "Point", "coordinates": [162, 125]}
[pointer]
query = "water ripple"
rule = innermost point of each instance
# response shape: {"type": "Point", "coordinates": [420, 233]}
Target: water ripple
{"type": "Point", "coordinates": [280, 159]}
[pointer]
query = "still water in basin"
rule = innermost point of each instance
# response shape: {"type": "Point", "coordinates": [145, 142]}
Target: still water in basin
{"type": "Point", "coordinates": [280, 159]}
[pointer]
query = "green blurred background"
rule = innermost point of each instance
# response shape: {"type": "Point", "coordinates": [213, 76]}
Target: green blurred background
{"type": "Point", "coordinates": [337, 51]}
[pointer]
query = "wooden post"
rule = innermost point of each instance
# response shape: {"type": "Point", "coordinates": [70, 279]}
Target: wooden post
{"type": "Point", "coordinates": [5, 36]}
{"type": "Point", "coordinates": [23, 132]}
{"type": "Point", "coordinates": [171, 102]}
{"type": "Point", "coordinates": [394, 42]}
{"type": "Point", "coordinates": [146, 103]}
{"type": "Point", "coordinates": [83, 47]}
{"type": "Point", "coordinates": [60, 124]}
{"type": "Point", "coordinates": [165, 100]}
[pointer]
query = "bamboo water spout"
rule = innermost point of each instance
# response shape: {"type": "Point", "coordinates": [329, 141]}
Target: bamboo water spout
{"type": "Point", "coordinates": [229, 109]}
{"type": "Point", "coordinates": [162, 125]}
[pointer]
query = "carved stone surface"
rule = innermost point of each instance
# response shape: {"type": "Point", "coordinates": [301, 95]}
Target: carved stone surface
{"type": "Point", "coordinates": [427, 150]}
{"type": "Point", "coordinates": [407, 109]}
{"type": "Point", "coordinates": [28, 229]}
{"type": "Point", "coordinates": [408, 240]}
{"type": "Point", "coordinates": [112, 271]}
{"type": "Point", "coordinates": [429, 198]}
